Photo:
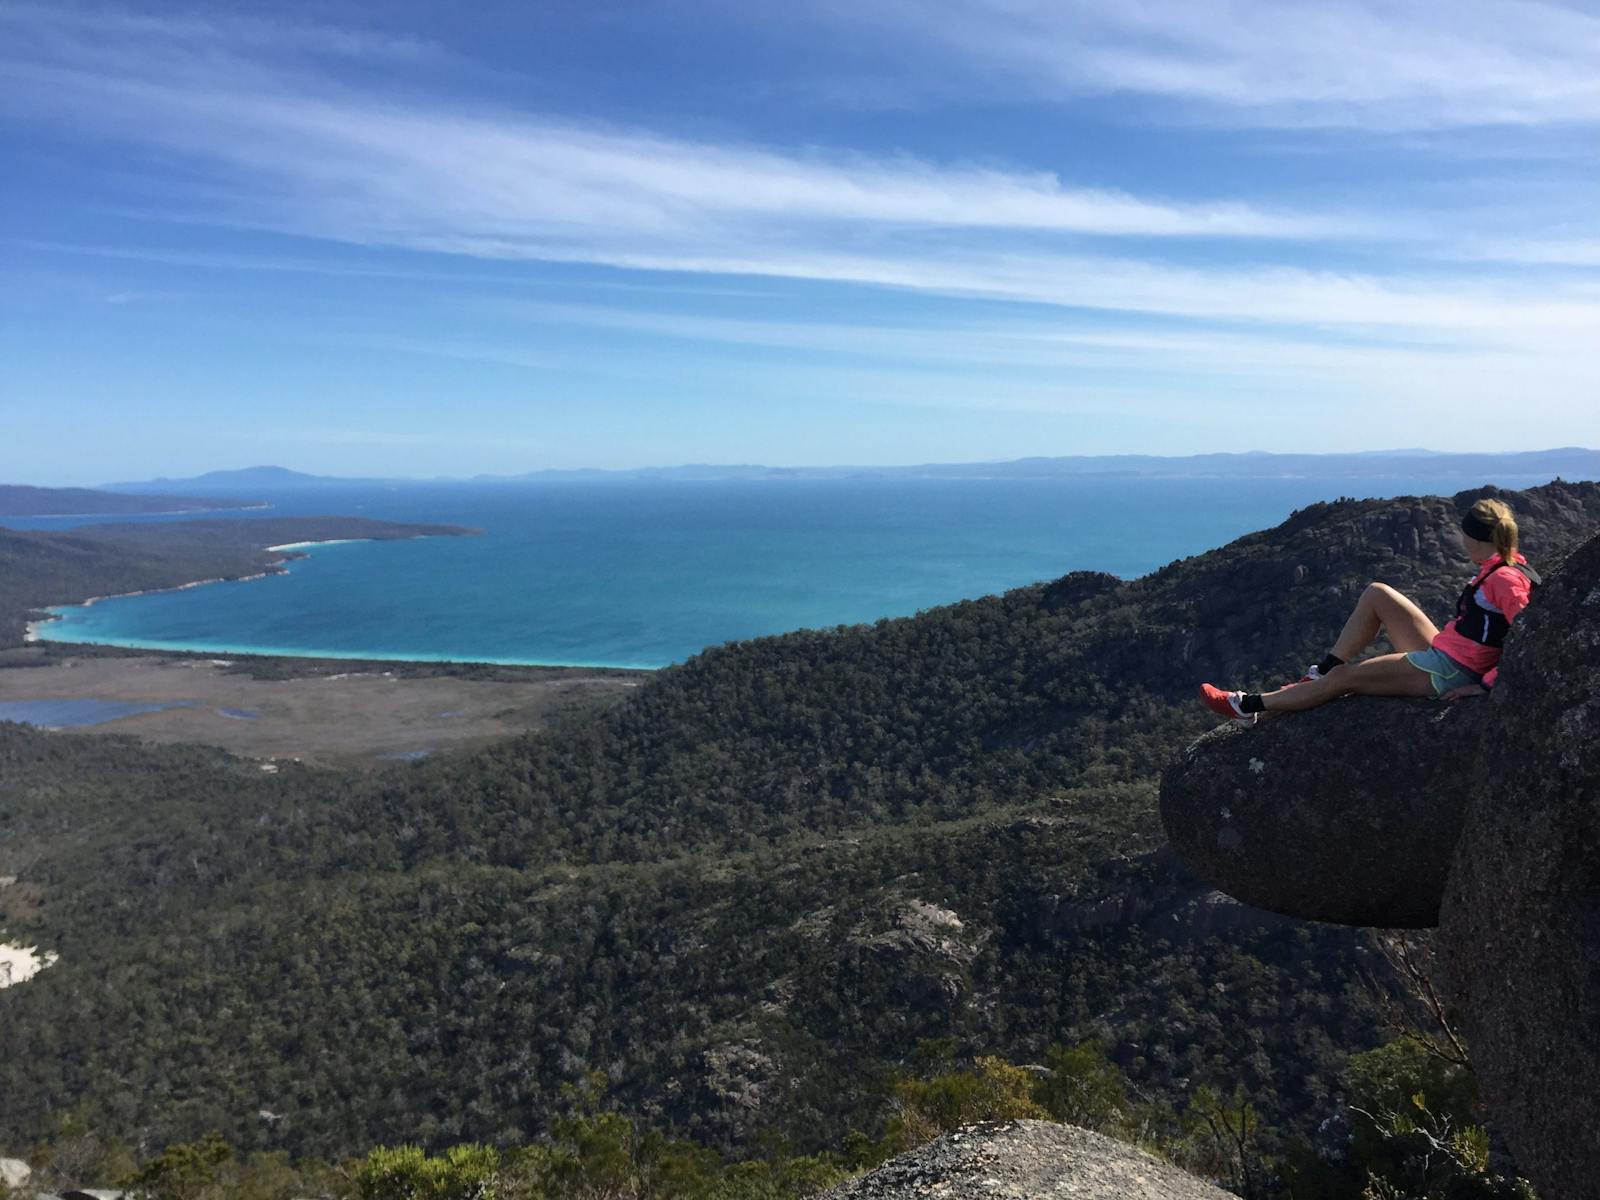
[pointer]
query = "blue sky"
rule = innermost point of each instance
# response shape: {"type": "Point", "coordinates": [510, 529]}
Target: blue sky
{"type": "Point", "coordinates": [428, 239]}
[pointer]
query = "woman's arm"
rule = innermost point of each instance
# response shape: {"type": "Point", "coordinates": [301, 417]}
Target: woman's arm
{"type": "Point", "coordinates": [1508, 591]}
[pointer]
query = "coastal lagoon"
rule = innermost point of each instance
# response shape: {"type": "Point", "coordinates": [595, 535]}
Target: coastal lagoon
{"type": "Point", "coordinates": [75, 713]}
{"type": "Point", "coordinates": [644, 574]}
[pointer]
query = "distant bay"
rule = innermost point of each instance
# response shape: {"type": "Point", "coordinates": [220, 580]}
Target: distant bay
{"type": "Point", "coordinates": [644, 574]}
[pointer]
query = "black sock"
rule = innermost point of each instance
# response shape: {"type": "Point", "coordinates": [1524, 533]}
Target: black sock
{"type": "Point", "coordinates": [1329, 663]}
{"type": "Point", "coordinates": [1251, 702]}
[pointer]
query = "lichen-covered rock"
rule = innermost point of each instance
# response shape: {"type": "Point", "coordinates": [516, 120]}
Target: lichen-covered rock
{"type": "Point", "coordinates": [1026, 1160]}
{"type": "Point", "coordinates": [1521, 917]}
{"type": "Point", "coordinates": [14, 1173]}
{"type": "Point", "coordinates": [1347, 813]}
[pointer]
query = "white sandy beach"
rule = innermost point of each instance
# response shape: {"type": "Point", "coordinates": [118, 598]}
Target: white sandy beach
{"type": "Point", "coordinates": [323, 542]}
{"type": "Point", "coordinates": [30, 632]}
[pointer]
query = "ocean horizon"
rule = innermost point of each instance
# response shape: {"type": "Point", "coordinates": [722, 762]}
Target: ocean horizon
{"type": "Point", "coordinates": [646, 574]}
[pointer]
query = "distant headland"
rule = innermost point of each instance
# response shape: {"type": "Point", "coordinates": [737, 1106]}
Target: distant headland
{"type": "Point", "coordinates": [20, 501]}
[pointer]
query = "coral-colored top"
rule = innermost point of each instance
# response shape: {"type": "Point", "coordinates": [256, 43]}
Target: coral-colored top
{"type": "Point", "coordinates": [1504, 592]}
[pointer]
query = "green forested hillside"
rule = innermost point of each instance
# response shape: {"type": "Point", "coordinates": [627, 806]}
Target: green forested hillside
{"type": "Point", "coordinates": [746, 895]}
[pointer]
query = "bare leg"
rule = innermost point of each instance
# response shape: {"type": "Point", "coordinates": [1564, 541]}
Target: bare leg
{"type": "Point", "coordinates": [1385, 675]}
{"type": "Point", "coordinates": [1382, 607]}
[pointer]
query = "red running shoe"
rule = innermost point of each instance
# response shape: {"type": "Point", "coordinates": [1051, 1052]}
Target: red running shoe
{"type": "Point", "coordinates": [1225, 704]}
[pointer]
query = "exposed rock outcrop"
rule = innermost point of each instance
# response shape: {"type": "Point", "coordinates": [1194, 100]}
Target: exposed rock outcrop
{"type": "Point", "coordinates": [1521, 918]}
{"type": "Point", "coordinates": [1026, 1160]}
{"type": "Point", "coordinates": [1486, 814]}
{"type": "Point", "coordinates": [923, 948]}
{"type": "Point", "coordinates": [1347, 813]}
{"type": "Point", "coordinates": [14, 1172]}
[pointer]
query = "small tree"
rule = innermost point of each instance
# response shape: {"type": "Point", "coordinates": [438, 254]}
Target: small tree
{"type": "Point", "coordinates": [186, 1171]}
{"type": "Point", "coordinates": [991, 1090]}
{"type": "Point", "coordinates": [1418, 1132]}
{"type": "Point", "coordinates": [1084, 1087]}
{"type": "Point", "coordinates": [77, 1156]}
{"type": "Point", "coordinates": [1223, 1137]}
{"type": "Point", "coordinates": [469, 1172]}
{"type": "Point", "coordinates": [1416, 1135]}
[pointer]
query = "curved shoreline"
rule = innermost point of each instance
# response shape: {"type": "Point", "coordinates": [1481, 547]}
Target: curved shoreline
{"type": "Point", "coordinates": [237, 651]}
{"type": "Point", "coordinates": [33, 631]}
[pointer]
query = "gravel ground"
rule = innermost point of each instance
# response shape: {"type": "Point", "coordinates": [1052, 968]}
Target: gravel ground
{"type": "Point", "coordinates": [1022, 1160]}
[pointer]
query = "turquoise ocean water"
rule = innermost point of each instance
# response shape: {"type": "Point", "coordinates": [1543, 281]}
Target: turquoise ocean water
{"type": "Point", "coordinates": [646, 574]}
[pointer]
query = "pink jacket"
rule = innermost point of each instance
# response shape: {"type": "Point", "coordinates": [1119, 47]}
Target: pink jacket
{"type": "Point", "coordinates": [1504, 592]}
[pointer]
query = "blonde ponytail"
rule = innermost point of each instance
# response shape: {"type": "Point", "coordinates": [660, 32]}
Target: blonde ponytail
{"type": "Point", "coordinates": [1497, 516]}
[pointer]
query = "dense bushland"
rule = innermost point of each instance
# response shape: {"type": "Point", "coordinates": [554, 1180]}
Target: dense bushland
{"type": "Point", "coordinates": [747, 895]}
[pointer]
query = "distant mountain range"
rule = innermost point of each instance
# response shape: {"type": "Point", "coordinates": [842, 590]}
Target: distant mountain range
{"type": "Point", "coordinates": [1571, 462]}
{"type": "Point", "coordinates": [244, 479]}
{"type": "Point", "coordinates": [1575, 462]}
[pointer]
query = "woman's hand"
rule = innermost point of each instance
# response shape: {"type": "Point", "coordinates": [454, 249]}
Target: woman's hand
{"type": "Point", "coordinates": [1461, 693]}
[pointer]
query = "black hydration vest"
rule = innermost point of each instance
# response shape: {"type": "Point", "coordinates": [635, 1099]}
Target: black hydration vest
{"type": "Point", "coordinates": [1479, 624]}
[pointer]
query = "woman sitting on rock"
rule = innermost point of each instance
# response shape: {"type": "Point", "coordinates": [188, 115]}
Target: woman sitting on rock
{"type": "Point", "coordinates": [1459, 660]}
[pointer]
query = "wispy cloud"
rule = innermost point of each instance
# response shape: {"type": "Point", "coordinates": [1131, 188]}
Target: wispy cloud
{"type": "Point", "coordinates": [287, 149]}
{"type": "Point", "coordinates": [1578, 252]}
{"type": "Point", "coordinates": [1424, 64]}
{"type": "Point", "coordinates": [391, 171]}
{"type": "Point", "coordinates": [249, 130]}
{"type": "Point", "coordinates": [58, 28]}
{"type": "Point", "coordinates": [1279, 295]}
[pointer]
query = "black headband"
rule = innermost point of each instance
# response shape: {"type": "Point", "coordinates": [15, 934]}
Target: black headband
{"type": "Point", "coordinates": [1475, 526]}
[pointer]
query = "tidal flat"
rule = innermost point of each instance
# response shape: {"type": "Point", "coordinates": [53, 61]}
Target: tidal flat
{"type": "Point", "coordinates": [347, 714]}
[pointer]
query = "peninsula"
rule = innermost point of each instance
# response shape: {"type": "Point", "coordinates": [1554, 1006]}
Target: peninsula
{"type": "Point", "coordinates": [17, 500]}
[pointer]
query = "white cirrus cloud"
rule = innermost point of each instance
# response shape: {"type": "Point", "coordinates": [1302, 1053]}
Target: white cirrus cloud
{"type": "Point", "coordinates": [241, 125]}
{"type": "Point", "coordinates": [1419, 65]}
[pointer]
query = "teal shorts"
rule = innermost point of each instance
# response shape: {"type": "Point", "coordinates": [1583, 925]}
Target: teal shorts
{"type": "Point", "coordinates": [1447, 674]}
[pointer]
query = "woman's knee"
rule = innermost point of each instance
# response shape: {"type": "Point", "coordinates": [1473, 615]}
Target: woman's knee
{"type": "Point", "coordinates": [1381, 596]}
